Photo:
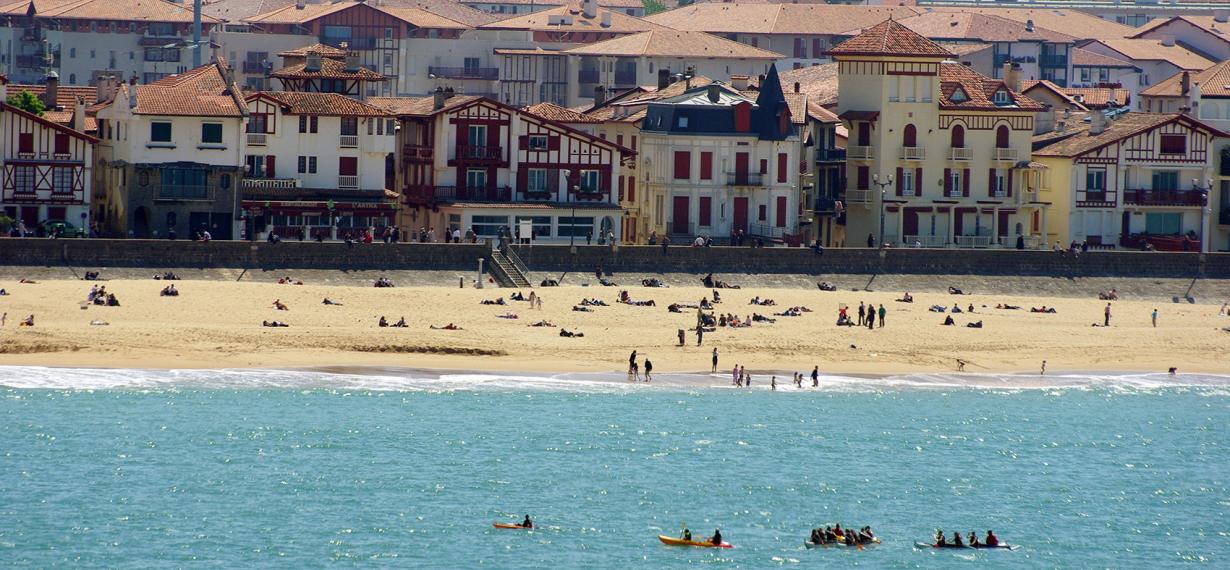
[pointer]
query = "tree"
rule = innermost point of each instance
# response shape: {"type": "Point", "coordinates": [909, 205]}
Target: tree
{"type": "Point", "coordinates": [26, 101]}
{"type": "Point", "coordinates": [653, 7]}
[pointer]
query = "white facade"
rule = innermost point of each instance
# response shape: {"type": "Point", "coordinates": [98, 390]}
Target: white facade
{"type": "Point", "coordinates": [46, 171]}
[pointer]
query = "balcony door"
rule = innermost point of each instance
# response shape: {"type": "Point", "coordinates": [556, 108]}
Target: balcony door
{"type": "Point", "coordinates": [740, 214]}
{"type": "Point", "coordinates": [679, 215]}
{"type": "Point", "coordinates": [476, 178]}
{"type": "Point", "coordinates": [741, 167]}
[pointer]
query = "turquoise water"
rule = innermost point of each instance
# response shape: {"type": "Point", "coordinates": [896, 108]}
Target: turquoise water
{"type": "Point", "coordinates": [138, 469]}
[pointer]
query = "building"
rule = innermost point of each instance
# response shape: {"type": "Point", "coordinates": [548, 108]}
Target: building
{"type": "Point", "coordinates": [471, 163]}
{"type": "Point", "coordinates": [46, 169]}
{"type": "Point", "coordinates": [514, 7]}
{"type": "Point", "coordinates": [171, 156]}
{"type": "Point", "coordinates": [939, 155]}
{"type": "Point", "coordinates": [1201, 94]}
{"type": "Point", "coordinates": [1156, 59]}
{"type": "Point", "coordinates": [84, 39]}
{"type": "Point", "coordinates": [721, 164]}
{"type": "Point", "coordinates": [1143, 177]}
{"type": "Point", "coordinates": [325, 69]}
{"type": "Point", "coordinates": [316, 165]}
{"type": "Point", "coordinates": [1095, 70]}
{"type": "Point", "coordinates": [826, 147]}
{"type": "Point", "coordinates": [1203, 34]}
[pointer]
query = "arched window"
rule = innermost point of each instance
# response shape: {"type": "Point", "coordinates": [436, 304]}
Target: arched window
{"type": "Point", "coordinates": [1001, 137]}
{"type": "Point", "coordinates": [910, 136]}
{"type": "Point", "coordinates": [958, 136]}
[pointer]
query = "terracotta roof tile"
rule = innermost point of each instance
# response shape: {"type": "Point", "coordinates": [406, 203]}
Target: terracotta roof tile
{"type": "Point", "coordinates": [1214, 82]}
{"type": "Point", "coordinates": [200, 92]}
{"type": "Point", "coordinates": [420, 106]}
{"type": "Point", "coordinates": [1153, 50]}
{"type": "Point", "coordinates": [1074, 23]}
{"type": "Point", "coordinates": [793, 19]}
{"type": "Point", "coordinates": [116, 10]}
{"type": "Point", "coordinates": [601, 3]}
{"type": "Point", "coordinates": [553, 112]}
{"type": "Point", "coordinates": [1033, 85]}
{"type": "Point", "coordinates": [329, 68]}
{"type": "Point", "coordinates": [1081, 57]}
{"type": "Point", "coordinates": [65, 118]}
{"type": "Point", "coordinates": [322, 49]}
{"type": "Point", "coordinates": [819, 82]}
{"type": "Point", "coordinates": [979, 26]}
{"type": "Point", "coordinates": [236, 10]}
{"type": "Point", "coordinates": [674, 43]}
{"type": "Point", "coordinates": [960, 49]}
{"type": "Point", "coordinates": [979, 91]}
{"type": "Point", "coordinates": [326, 104]}
{"type": "Point", "coordinates": [1099, 97]}
{"type": "Point", "coordinates": [621, 23]}
{"type": "Point", "coordinates": [1123, 127]}
{"type": "Point", "coordinates": [890, 38]}
{"type": "Point", "coordinates": [66, 95]}
{"type": "Point", "coordinates": [1207, 23]}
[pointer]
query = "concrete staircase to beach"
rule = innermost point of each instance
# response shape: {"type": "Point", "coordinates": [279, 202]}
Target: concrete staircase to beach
{"type": "Point", "coordinates": [508, 270]}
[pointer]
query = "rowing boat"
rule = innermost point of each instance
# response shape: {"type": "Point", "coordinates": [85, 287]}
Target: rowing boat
{"type": "Point", "coordinates": [672, 541]}
{"type": "Point", "coordinates": [510, 526]}
{"type": "Point", "coordinates": [841, 544]}
{"type": "Point", "coordinates": [1000, 546]}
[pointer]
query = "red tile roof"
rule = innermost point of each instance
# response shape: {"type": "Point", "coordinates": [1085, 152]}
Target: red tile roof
{"type": "Point", "coordinates": [326, 104]}
{"type": "Point", "coordinates": [553, 112]}
{"type": "Point", "coordinates": [784, 18]}
{"type": "Point", "coordinates": [420, 106]}
{"type": "Point", "coordinates": [979, 26]}
{"type": "Point", "coordinates": [329, 69]}
{"type": "Point", "coordinates": [1082, 57]}
{"type": "Point", "coordinates": [115, 10]}
{"type": "Point", "coordinates": [200, 92]}
{"type": "Point", "coordinates": [1125, 126]}
{"type": "Point", "coordinates": [1155, 50]}
{"type": "Point", "coordinates": [322, 49]}
{"type": "Point", "coordinates": [979, 91]}
{"type": "Point", "coordinates": [48, 122]}
{"type": "Point", "coordinates": [890, 38]}
{"type": "Point", "coordinates": [66, 95]}
{"type": "Point", "coordinates": [1214, 82]}
{"type": "Point", "coordinates": [674, 43]}
{"type": "Point", "coordinates": [620, 23]}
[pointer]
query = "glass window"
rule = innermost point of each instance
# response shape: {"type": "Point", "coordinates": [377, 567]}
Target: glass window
{"type": "Point", "coordinates": [538, 142]}
{"type": "Point", "coordinates": [590, 181]}
{"type": "Point", "coordinates": [536, 180]}
{"type": "Point", "coordinates": [488, 225]}
{"type": "Point", "coordinates": [1174, 144]}
{"type": "Point", "coordinates": [62, 180]}
{"type": "Point", "coordinates": [350, 126]}
{"type": "Point", "coordinates": [184, 183]}
{"type": "Point", "coordinates": [477, 135]}
{"type": "Point", "coordinates": [160, 132]}
{"type": "Point", "coordinates": [1165, 180]}
{"type": "Point", "coordinates": [542, 225]}
{"type": "Point", "coordinates": [311, 165]}
{"type": "Point", "coordinates": [1095, 180]}
{"type": "Point", "coordinates": [578, 226]}
{"type": "Point", "coordinates": [211, 133]}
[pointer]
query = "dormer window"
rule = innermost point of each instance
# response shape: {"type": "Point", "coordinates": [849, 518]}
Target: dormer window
{"type": "Point", "coordinates": [1001, 97]}
{"type": "Point", "coordinates": [959, 96]}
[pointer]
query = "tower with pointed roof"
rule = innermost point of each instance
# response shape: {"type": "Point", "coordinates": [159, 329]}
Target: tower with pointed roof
{"type": "Point", "coordinates": [938, 154]}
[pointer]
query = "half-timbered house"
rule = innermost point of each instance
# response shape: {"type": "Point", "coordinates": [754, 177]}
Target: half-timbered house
{"type": "Point", "coordinates": [471, 163]}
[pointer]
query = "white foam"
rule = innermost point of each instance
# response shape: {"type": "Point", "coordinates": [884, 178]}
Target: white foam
{"type": "Point", "coordinates": [407, 380]}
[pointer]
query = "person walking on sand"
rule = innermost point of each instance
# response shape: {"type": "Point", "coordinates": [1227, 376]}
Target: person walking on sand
{"type": "Point", "coordinates": [960, 365]}
{"type": "Point", "coordinates": [648, 370]}
{"type": "Point", "coordinates": [700, 335]}
{"type": "Point", "coordinates": [1043, 372]}
{"type": "Point", "coordinates": [882, 313]}
{"type": "Point", "coordinates": [871, 318]}
{"type": "Point", "coordinates": [715, 359]}
{"type": "Point", "coordinates": [632, 362]}
{"type": "Point", "coordinates": [1154, 318]}
{"type": "Point", "coordinates": [815, 377]}
{"type": "Point", "coordinates": [1106, 318]}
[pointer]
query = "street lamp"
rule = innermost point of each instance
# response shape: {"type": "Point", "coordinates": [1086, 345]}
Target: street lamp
{"type": "Point", "coordinates": [888, 181]}
{"type": "Point", "coordinates": [1205, 211]}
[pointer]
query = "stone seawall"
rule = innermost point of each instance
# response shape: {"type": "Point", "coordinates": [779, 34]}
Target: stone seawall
{"type": "Point", "coordinates": [98, 253]}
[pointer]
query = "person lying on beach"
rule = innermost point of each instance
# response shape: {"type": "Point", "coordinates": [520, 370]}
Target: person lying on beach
{"type": "Point", "coordinates": [279, 305]}
{"type": "Point", "coordinates": [570, 334]}
{"type": "Point", "coordinates": [825, 286]}
{"type": "Point", "coordinates": [1044, 309]}
{"type": "Point", "coordinates": [937, 309]}
{"type": "Point", "coordinates": [168, 276]}
{"type": "Point", "coordinates": [506, 316]}
{"type": "Point", "coordinates": [1111, 295]}
{"type": "Point", "coordinates": [793, 312]}
{"type": "Point", "coordinates": [273, 324]}
{"type": "Point", "coordinates": [27, 322]}
{"type": "Point", "coordinates": [976, 325]}
{"type": "Point", "coordinates": [288, 281]}
{"type": "Point", "coordinates": [90, 276]}
{"type": "Point", "coordinates": [582, 309]}
{"type": "Point", "coordinates": [954, 291]}
{"type": "Point", "coordinates": [1007, 306]}
{"type": "Point", "coordinates": [516, 297]}
{"type": "Point", "coordinates": [756, 317]}
{"type": "Point", "coordinates": [329, 301]}
{"type": "Point", "coordinates": [383, 282]}
{"type": "Point", "coordinates": [674, 308]}
{"type": "Point", "coordinates": [542, 324]}
{"type": "Point", "coordinates": [593, 303]}
{"type": "Point", "coordinates": [499, 301]}
{"type": "Point", "coordinates": [99, 323]}
{"type": "Point", "coordinates": [169, 291]}
{"type": "Point", "coordinates": [607, 282]}
{"type": "Point", "coordinates": [948, 322]}
{"type": "Point", "coordinates": [549, 283]}
{"type": "Point", "coordinates": [652, 282]}
{"type": "Point", "coordinates": [27, 281]}
{"type": "Point", "coordinates": [907, 298]}
{"type": "Point", "coordinates": [766, 302]}
{"type": "Point", "coordinates": [448, 327]}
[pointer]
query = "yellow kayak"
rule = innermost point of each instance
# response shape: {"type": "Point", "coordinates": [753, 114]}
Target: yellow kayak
{"type": "Point", "coordinates": [672, 541]}
{"type": "Point", "coordinates": [509, 526]}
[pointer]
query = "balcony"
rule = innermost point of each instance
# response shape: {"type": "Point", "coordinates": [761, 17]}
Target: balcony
{"type": "Point", "coordinates": [924, 241]}
{"type": "Point", "coordinates": [859, 196]}
{"type": "Point", "coordinates": [345, 181]}
{"type": "Point", "coordinates": [860, 153]}
{"type": "Point", "coordinates": [257, 139]}
{"type": "Point", "coordinates": [913, 153]}
{"type": "Point", "coordinates": [1053, 60]}
{"type": "Point", "coordinates": [1006, 154]}
{"type": "Point", "coordinates": [479, 153]}
{"type": "Point", "coordinates": [587, 76]}
{"type": "Point", "coordinates": [269, 183]}
{"type": "Point", "coordinates": [831, 155]}
{"type": "Point", "coordinates": [254, 67]}
{"type": "Point", "coordinates": [418, 194]}
{"type": "Point", "coordinates": [455, 193]}
{"type": "Point", "coordinates": [348, 141]}
{"type": "Point", "coordinates": [1181, 198]}
{"type": "Point", "coordinates": [744, 179]}
{"type": "Point", "coordinates": [417, 153]}
{"type": "Point", "coordinates": [480, 73]}
{"type": "Point", "coordinates": [625, 78]}
{"type": "Point", "coordinates": [961, 154]}
{"type": "Point", "coordinates": [1095, 199]}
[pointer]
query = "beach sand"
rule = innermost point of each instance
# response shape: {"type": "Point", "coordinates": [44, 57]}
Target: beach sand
{"type": "Point", "coordinates": [217, 324]}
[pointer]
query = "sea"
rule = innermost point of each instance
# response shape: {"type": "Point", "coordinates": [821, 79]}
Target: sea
{"type": "Point", "coordinates": [383, 467]}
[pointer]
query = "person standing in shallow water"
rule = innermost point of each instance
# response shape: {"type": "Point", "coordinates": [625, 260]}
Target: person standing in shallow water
{"type": "Point", "coordinates": [648, 370]}
{"type": "Point", "coordinates": [815, 377]}
{"type": "Point", "coordinates": [715, 360]}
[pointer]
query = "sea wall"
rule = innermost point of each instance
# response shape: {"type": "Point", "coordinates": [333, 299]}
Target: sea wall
{"type": "Point", "coordinates": [100, 253]}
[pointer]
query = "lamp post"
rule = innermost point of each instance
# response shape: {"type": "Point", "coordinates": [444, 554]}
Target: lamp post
{"type": "Point", "coordinates": [1205, 211]}
{"type": "Point", "coordinates": [888, 181]}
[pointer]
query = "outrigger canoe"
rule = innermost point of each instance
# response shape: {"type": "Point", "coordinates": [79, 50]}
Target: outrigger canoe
{"type": "Point", "coordinates": [967, 547]}
{"type": "Point", "coordinates": [841, 544]}
{"type": "Point", "coordinates": [672, 541]}
{"type": "Point", "coordinates": [511, 526]}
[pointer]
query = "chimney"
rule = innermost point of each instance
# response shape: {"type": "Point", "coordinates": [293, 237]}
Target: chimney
{"type": "Point", "coordinates": [1012, 76]}
{"type": "Point", "coordinates": [1168, 40]}
{"type": "Point", "coordinates": [438, 101]}
{"type": "Point", "coordinates": [105, 87]}
{"type": "Point", "coordinates": [599, 95]}
{"type": "Point", "coordinates": [713, 93]}
{"type": "Point", "coordinates": [739, 82]}
{"type": "Point", "coordinates": [796, 86]}
{"type": "Point", "coordinates": [352, 61]}
{"type": "Point", "coordinates": [664, 78]}
{"type": "Point", "coordinates": [300, 4]}
{"type": "Point", "coordinates": [52, 90]}
{"type": "Point", "coordinates": [1185, 83]}
{"type": "Point", "coordinates": [1221, 16]}
{"type": "Point", "coordinates": [1097, 122]}
{"type": "Point", "coordinates": [1029, 25]}
{"type": "Point", "coordinates": [589, 8]}
{"type": "Point", "coordinates": [606, 19]}
{"type": "Point", "coordinates": [79, 114]}
{"type": "Point", "coordinates": [313, 61]}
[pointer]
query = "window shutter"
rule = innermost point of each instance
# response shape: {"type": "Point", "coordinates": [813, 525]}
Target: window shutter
{"type": "Point", "coordinates": [991, 183]}
{"type": "Point", "coordinates": [947, 182]}
{"type": "Point", "coordinates": [900, 182]}
{"type": "Point", "coordinates": [553, 143]}
{"type": "Point", "coordinates": [62, 144]}
{"type": "Point", "coordinates": [631, 189]}
{"type": "Point", "coordinates": [965, 182]}
{"type": "Point", "coordinates": [1009, 183]}
{"type": "Point", "coordinates": [918, 181]}
{"type": "Point", "coordinates": [621, 188]}
{"type": "Point", "coordinates": [523, 142]}
{"type": "Point", "coordinates": [706, 166]}
{"type": "Point", "coordinates": [817, 50]}
{"type": "Point", "coordinates": [270, 171]}
{"type": "Point", "coordinates": [783, 167]}
{"type": "Point", "coordinates": [683, 163]}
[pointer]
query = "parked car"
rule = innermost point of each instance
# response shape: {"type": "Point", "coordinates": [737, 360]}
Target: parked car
{"type": "Point", "coordinates": [66, 229]}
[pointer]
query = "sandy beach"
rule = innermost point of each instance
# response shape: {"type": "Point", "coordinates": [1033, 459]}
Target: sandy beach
{"type": "Point", "coordinates": [217, 324]}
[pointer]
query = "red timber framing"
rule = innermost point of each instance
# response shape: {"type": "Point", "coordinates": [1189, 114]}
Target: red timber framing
{"type": "Point", "coordinates": [44, 162]}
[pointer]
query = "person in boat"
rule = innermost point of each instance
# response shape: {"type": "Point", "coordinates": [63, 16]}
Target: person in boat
{"type": "Point", "coordinates": [687, 534]}
{"type": "Point", "coordinates": [815, 536]}
{"type": "Point", "coordinates": [837, 530]}
{"type": "Point", "coordinates": [956, 539]}
{"type": "Point", "coordinates": [717, 537]}
{"type": "Point", "coordinates": [973, 539]}
{"type": "Point", "coordinates": [829, 535]}
{"type": "Point", "coordinates": [865, 535]}
{"type": "Point", "coordinates": [848, 538]}
{"type": "Point", "coordinates": [939, 538]}
{"type": "Point", "coordinates": [991, 540]}
{"type": "Point", "coordinates": [527, 523]}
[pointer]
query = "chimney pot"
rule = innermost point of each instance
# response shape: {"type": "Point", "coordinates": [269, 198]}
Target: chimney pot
{"type": "Point", "coordinates": [796, 86]}
{"type": "Point", "coordinates": [52, 90]}
{"type": "Point", "coordinates": [664, 78]}
{"type": "Point", "coordinates": [713, 93]}
{"type": "Point", "coordinates": [589, 8]}
{"type": "Point", "coordinates": [599, 95]}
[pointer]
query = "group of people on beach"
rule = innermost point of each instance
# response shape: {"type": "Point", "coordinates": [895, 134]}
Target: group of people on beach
{"type": "Point", "coordinates": [99, 296]}
{"type": "Point", "coordinates": [867, 314]}
{"type": "Point", "coordinates": [634, 370]}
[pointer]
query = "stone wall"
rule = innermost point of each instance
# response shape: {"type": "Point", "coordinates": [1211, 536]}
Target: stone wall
{"type": "Point", "coordinates": [98, 253]}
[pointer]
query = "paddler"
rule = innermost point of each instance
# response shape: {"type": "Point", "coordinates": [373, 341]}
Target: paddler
{"type": "Point", "coordinates": [687, 534]}
{"type": "Point", "coordinates": [956, 539]}
{"type": "Point", "coordinates": [939, 538]}
{"type": "Point", "coordinates": [717, 537]}
{"type": "Point", "coordinates": [527, 523]}
{"type": "Point", "coordinates": [837, 530]}
{"type": "Point", "coordinates": [991, 539]}
{"type": "Point", "coordinates": [973, 538]}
